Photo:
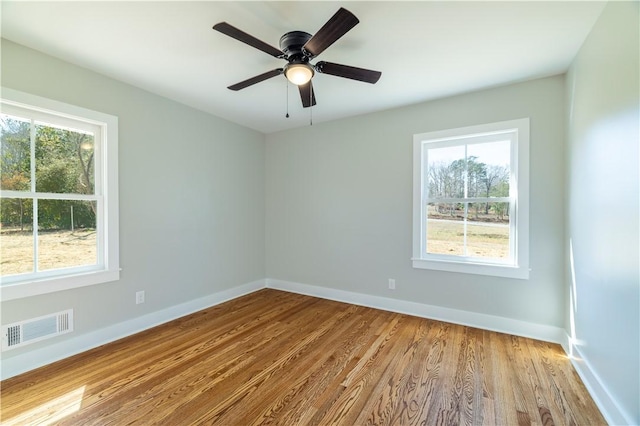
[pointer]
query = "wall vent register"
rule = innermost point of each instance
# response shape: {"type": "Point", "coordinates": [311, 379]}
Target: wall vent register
{"type": "Point", "coordinates": [36, 329]}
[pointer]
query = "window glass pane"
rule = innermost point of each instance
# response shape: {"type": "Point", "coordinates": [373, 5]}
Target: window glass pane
{"type": "Point", "coordinates": [489, 169]}
{"type": "Point", "coordinates": [66, 234]}
{"type": "Point", "coordinates": [15, 168]}
{"type": "Point", "coordinates": [16, 236]}
{"type": "Point", "coordinates": [446, 172]}
{"type": "Point", "coordinates": [445, 229]}
{"type": "Point", "coordinates": [64, 160]}
{"type": "Point", "coordinates": [488, 232]}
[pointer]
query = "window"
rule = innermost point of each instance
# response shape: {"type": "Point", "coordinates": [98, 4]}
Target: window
{"type": "Point", "coordinates": [59, 196]}
{"type": "Point", "coordinates": [471, 200]}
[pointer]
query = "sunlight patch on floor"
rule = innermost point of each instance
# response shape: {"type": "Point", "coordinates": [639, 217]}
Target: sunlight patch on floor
{"type": "Point", "coordinates": [50, 412]}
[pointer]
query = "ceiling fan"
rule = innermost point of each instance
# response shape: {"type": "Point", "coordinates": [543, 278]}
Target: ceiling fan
{"type": "Point", "coordinates": [298, 48]}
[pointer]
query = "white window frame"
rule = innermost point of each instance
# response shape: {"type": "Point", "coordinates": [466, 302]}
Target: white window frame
{"type": "Point", "coordinates": [105, 127]}
{"type": "Point", "coordinates": [518, 264]}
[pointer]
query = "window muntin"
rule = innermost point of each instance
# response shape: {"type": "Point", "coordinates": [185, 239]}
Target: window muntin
{"type": "Point", "coordinates": [58, 184]}
{"type": "Point", "coordinates": [469, 212]}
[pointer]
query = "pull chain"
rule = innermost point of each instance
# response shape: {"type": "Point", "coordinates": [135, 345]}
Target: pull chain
{"type": "Point", "coordinates": [287, 83]}
{"type": "Point", "coordinates": [310, 104]}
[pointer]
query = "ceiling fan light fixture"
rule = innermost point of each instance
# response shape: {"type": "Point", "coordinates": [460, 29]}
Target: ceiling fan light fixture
{"type": "Point", "coordinates": [298, 74]}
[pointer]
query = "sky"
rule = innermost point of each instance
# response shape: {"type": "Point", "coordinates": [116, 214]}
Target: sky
{"type": "Point", "coordinates": [490, 153]}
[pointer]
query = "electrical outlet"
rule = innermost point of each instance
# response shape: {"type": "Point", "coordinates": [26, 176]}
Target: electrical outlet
{"type": "Point", "coordinates": [392, 284]}
{"type": "Point", "coordinates": [139, 297]}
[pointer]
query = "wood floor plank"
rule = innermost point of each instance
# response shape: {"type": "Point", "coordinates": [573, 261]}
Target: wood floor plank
{"type": "Point", "coordinates": [161, 343]}
{"type": "Point", "coordinates": [362, 380]}
{"type": "Point", "coordinates": [441, 408]}
{"type": "Point", "coordinates": [428, 373]}
{"type": "Point", "coordinates": [400, 388]}
{"type": "Point", "coordinates": [380, 408]}
{"type": "Point", "coordinates": [310, 381]}
{"type": "Point", "coordinates": [293, 373]}
{"type": "Point", "coordinates": [176, 356]}
{"type": "Point", "coordinates": [489, 376]}
{"type": "Point", "coordinates": [277, 358]}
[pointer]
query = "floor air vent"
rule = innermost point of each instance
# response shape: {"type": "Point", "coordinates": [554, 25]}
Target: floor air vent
{"type": "Point", "coordinates": [36, 329]}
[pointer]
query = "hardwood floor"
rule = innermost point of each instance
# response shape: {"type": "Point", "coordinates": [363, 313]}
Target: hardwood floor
{"type": "Point", "coordinates": [279, 358]}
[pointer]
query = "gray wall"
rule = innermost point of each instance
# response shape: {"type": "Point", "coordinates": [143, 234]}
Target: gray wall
{"type": "Point", "coordinates": [191, 198]}
{"type": "Point", "coordinates": [339, 206]}
{"type": "Point", "coordinates": [602, 203]}
{"type": "Point", "coordinates": [336, 209]}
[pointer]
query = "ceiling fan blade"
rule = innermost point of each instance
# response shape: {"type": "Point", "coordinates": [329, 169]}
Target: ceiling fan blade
{"type": "Point", "coordinates": [339, 24]}
{"type": "Point", "coordinates": [240, 35]}
{"type": "Point", "coordinates": [257, 79]}
{"type": "Point", "coordinates": [346, 71]}
{"type": "Point", "coordinates": [307, 94]}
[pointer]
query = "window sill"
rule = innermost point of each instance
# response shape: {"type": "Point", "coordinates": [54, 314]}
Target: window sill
{"type": "Point", "coordinates": [23, 289]}
{"type": "Point", "coordinates": [506, 271]}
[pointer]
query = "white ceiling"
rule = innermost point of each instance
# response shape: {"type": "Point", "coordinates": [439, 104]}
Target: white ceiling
{"type": "Point", "coordinates": [425, 50]}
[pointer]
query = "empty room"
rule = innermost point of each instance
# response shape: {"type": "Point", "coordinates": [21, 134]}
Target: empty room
{"type": "Point", "coordinates": [312, 213]}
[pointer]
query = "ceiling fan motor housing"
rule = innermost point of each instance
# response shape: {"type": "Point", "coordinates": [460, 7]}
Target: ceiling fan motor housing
{"type": "Point", "coordinates": [291, 44]}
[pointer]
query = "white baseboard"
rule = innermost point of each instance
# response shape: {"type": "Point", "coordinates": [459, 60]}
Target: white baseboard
{"type": "Point", "coordinates": [611, 411]}
{"type": "Point", "coordinates": [455, 316]}
{"type": "Point", "coordinates": [607, 405]}
{"type": "Point", "coordinates": [37, 358]}
{"type": "Point", "coordinates": [40, 357]}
